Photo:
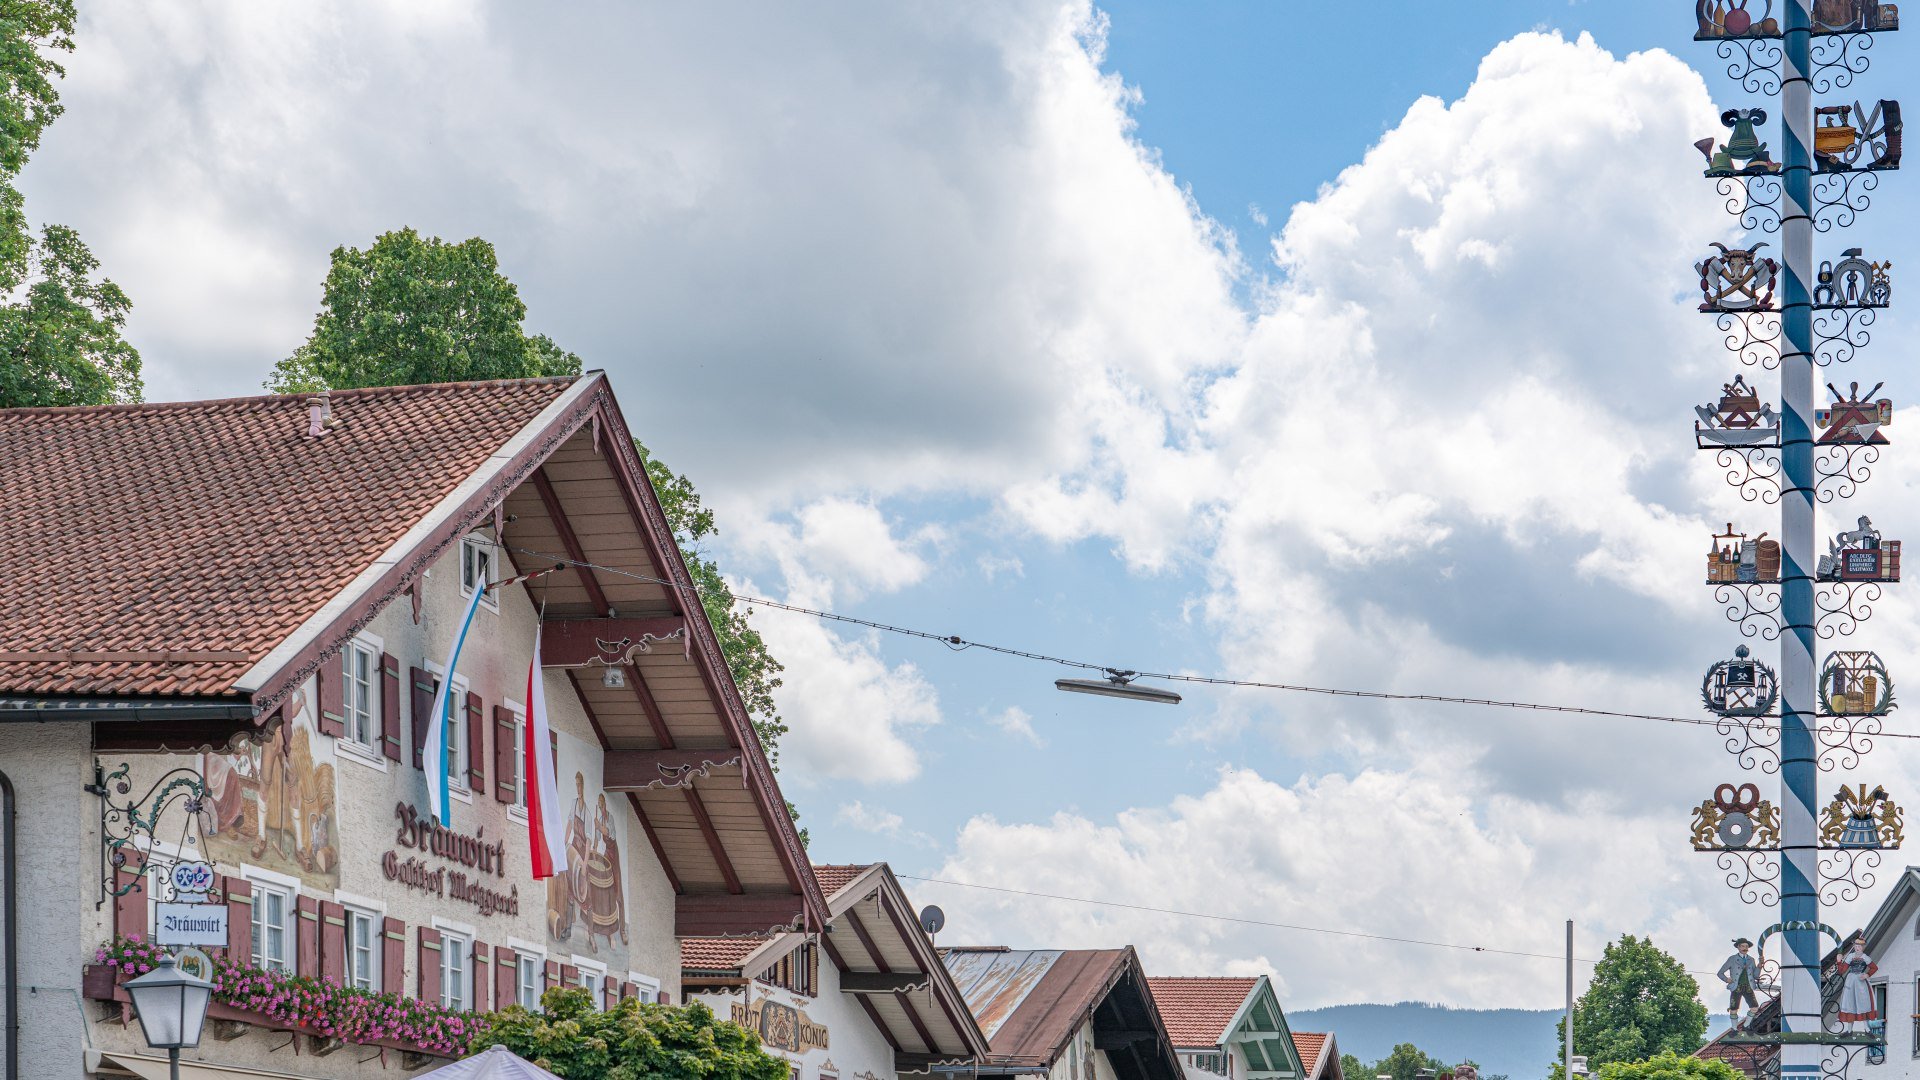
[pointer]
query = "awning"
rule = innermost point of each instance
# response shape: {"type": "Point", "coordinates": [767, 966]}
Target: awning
{"type": "Point", "coordinates": [103, 1063]}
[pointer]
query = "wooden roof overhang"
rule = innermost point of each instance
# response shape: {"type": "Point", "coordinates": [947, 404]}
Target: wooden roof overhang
{"type": "Point", "coordinates": [1104, 987]}
{"type": "Point", "coordinates": [1260, 1030]}
{"type": "Point", "coordinates": [570, 488]}
{"type": "Point", "coordinates": [887, 964]}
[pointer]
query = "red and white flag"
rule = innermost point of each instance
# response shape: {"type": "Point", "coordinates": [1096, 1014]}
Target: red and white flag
{"type": "Point", "coordinates": [546, 832]}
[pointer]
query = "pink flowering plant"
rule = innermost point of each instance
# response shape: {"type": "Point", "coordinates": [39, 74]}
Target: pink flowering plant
{"type": "Point", "coordinates": [324, 1008]}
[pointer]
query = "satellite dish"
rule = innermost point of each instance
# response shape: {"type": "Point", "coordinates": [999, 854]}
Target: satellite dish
{"type": "Point", "coordinates": [932, 919]}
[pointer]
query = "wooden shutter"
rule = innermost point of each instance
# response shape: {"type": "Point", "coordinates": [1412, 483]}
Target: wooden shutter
{"type": "Point", "coordinates": [506, 977]}
{"type": "Point", "coordinates": [330, 686]}
{"type": "Point", "coordinates": [609, 993]}
{"type": "Point", "coordinates": [333, 942]}
{"type": "Point", "coordinates": [503, 732]}
{"type": "Point", "coordinates": [390, 705]}
{"type": "Point", "coordinates": [550, 977]}
{"type": "Point", "coordinates": [481, 984]}
{"type": "Point", "coordinates": [422, 708]}
{"type": "Point", "coordinates": [306, 936]}
{"type": "Point", "coordinates": [569, 976]}
{"type": "Point", "coordinates": [393, 956]}
{"type": "Point", "coordinates": [428, 957]}
{"type": "Point", "coordinates": [130, 907]}
{"type": "Point", "coordinates": [664, 997]}
{"type": "Point", "coordinates": [476, 744]}
{"type": "Point", "coordinates": [239, 893]}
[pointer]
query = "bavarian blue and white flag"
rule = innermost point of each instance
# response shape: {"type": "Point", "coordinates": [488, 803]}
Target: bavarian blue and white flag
{"type": "Point", "coordinates": [433, 755]}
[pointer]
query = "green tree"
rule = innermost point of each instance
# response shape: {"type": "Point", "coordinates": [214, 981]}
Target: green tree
{"type": "Point", "coordinates": [1669, 1066]}
{"type": "Point", "coordinates": [60, 328]}
{"type": "Point", "coordinates": [413, 309]}
{"type": "Point", "coordinates": [1352, 1068]}
{"type": "Point", "coordinates": [1404, 1061]}
{"type": "Point", "coordinates": [573, 1039]}
{"type": "Point", "coordinates": [1640, 1004]}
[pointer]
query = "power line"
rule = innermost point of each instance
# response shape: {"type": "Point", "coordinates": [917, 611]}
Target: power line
{"type": "Point", "coordinates": [960, 644]}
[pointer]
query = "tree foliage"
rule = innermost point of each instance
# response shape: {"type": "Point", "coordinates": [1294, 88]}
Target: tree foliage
{"type": "Point", "coordinates": [413, 309]}
{"type": "Point", "coordinates": [1352, 1068]}
{"type": "Point", "coordinates": [574, 1039]}
{"type": "Point", "coordinates": [60, 328]}
{"type": "Point", "coordinates": [1670, 1066]}
{"type": "Point", "coordinates": [1403, 1062]}
{"type": "Point", "coordinates": [1641, 1004]}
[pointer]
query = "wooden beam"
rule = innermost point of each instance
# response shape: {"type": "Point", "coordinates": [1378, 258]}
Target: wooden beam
{"type": "Point", "coordinates": [1117, 1040]}
{"type": "Point", "coordinates": [900, 927]}
{"type": "Point", "coordinates": [659, 852]}
{"type": "Point", "coordinates": [651, 707]}
{"type": "Point", "coordinates": [571, 542]}
{"type": "Point", "coordinates": [713, 839]}
{"type": "Point", "coordinates": [866, 940]}
{"type": "Point", "coordinates": [880, 961]}
{"type": "Point", "coordinates": [883, 982]}
{"type": "Point", "coordinates": [873, 1014]}
{"type": "Point", "coordinates": [720, 914]}
{"type": "Point", "coordinates": [578, 642]}
{"type": "Point", "coordinates": [638, 770]}
{"type": "Point", "coordinates": [919, 1028]}
{"type": "Point", "coordinates": [580, 695]}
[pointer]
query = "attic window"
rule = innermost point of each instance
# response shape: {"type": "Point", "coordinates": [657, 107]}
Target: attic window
{"type": "Point", "coordinates": [1212, 1063]}
{"type": "Point", "coordinates": [479, 567]}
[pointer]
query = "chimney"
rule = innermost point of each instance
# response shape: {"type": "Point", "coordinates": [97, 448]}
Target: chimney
{"type": "Point", "coordinates": [319, 415]}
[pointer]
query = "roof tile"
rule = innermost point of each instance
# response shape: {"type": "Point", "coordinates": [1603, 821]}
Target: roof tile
{"type": "Point", "coordinates": [1198, 1010]}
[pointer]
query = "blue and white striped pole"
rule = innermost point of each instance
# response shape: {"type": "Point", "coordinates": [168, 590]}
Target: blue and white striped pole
{"type": "Point", "coordinates": [1800, 1005]}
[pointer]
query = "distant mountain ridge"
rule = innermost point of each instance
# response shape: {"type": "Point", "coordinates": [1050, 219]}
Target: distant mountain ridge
{"type": "Point", "coordinates": [1522, 1043]}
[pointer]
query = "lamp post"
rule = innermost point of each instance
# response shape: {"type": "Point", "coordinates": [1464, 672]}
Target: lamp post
{"type": "Point", "coordinates": [172, 1007]}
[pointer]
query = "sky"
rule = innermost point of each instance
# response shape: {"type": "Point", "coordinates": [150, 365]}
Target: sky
{"type": "Point", "coordinates": [1336, 344]}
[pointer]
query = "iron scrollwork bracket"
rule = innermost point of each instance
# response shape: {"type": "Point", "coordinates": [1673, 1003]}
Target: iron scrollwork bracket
{"type": "Point", "coordinates": [1753, 199]}
{"type": "Point", "coordinates": [1843, 468]}
{"type": "Point", "coordinates": [1753, 62]}
{"type": "Point", "coordinates": [1840, 197]}
{"type": "Point", "coordinates": [1752, 336]}
{"type": "Point", "coordinates": [126, 823]}
{"type": "Point", "coordinates": [1753, 471]}
{"type": "Point", "coordinates": [1844, 605]}
{"type": "Point", "coordinates": [1753, 606]}
{"type": "Point", "coordinates": [1837, 58]}
{"type": "Point", "coordinates": [1840, 333]}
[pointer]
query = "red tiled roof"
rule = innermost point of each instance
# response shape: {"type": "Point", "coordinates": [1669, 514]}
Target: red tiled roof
{"type": "Point", "coordinates": [165, 549]}
{"type": "Point", "coordinates": [1309, 1046]}
{"type": "Point", "coordinates": [1198, 1010]}
{"type": "Point", "coordinates": [716, 954]}
{"type": "Point", "coordinates": [833, 878]}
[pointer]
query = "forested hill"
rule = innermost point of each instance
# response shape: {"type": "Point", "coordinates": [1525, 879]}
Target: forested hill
{"type": "Point", "coordinates": [1520, 1043]}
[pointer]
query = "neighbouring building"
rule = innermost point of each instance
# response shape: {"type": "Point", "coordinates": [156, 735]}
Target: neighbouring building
{"type": "Point", "coordinates": [220, 641]}
{"type": "Point", "coordinates": [1232, 1029]}
{"type": "Point", "coordinates": [1319, 1055]}
{"type": "Point", "coordinates": [867, 999]}
{"type": "Point", "coordinates": [1073, 1014]}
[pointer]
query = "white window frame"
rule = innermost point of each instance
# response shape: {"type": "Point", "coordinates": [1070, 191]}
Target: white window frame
{"type": "Point", "coordinates": [475, 544]}
{"type": "Point", "coordinates": [161, 858]}
{"type": "Point", "coordinates": [523, 953]}
{"type": "Point", "coordinates": [456, 733]}
{"type": "Point", "coordinates": [375, 912]}
{"type": "Point", "coordinates": [461, 933]}
{"type": "Point", "coordinates": [367, 752]}
{"type": "Point", "coordinates": [265, 882]}
{"type": "Point", "coordinates": [517, 809]}
{"type": "Point", "coordinates": [585, 966]}
{"type": "Point", "coordinates": [645, 986]}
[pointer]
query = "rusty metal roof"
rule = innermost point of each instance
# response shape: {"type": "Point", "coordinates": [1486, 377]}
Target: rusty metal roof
{"type": "Point", "coordinates": [1031, 1002]}
{"type": "Point", "coordinates": [996, 981]}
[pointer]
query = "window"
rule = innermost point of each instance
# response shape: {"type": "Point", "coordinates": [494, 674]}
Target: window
{"type": "Point", "coordinates": [454, 952]}
{"type": "Point", "coordinates": [593, 979]}
{"type": "Point", "coordinates": [479, 561]}
{"type": "Point", "coordinates": [645, 986]}
{"type": "Point", "coordinates": [363, 949]}
{"type": "Point", "coordinates": [361, 708]}
{"type": "Point", "coordinates": [456, 732]}
{"type": "Point", "coordinates": [798, 971]}
{"type": "Point", "coordinates": [519, 737]}
{"type": "Point", "coordinates": [273, 927]}
{"type": "Point", "coordinates": [527, 980]}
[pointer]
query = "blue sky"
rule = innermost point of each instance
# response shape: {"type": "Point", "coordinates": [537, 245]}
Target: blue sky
{"type": "Point", "coordinates": [962, 319]}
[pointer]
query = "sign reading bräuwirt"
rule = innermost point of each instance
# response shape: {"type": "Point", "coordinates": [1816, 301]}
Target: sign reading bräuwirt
{"type": "Point", "coordinates": [190, 924]}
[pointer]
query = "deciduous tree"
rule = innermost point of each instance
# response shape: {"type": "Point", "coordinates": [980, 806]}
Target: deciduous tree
{"type": "Point", "coordinates": [1640, 1004]}
{"type": "Point", "coordinates": [575, 1040]}
{"type": "Point", "coordinates": [1670, 1066]}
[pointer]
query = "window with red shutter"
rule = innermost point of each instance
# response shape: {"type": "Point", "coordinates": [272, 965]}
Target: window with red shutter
{"type": "Point", "coordinates": [506, 969]}
{"type": "Point", "coordinates": [506, 742]}
{"type": "Point", "coordinates": [393, 956]}
{"type": "Point", "coordinates": [333, 942]}
{"type": "Point", "coordinates": [476, 744]}
{"type": "Point", "coordinates": [428, 961]}
{"type": "Point", "coordinates": [481, 984]}
{"type": "Point", "coordinates": [239, 895]}
{"type": "Point", "coordinates": [390, 705]}
{"type": "Point", "coordinates": [423, 685]}
{"type": "Point", "coordinates": [552, 975]}
{"type": "Point", "coordinates": [130, 907]}
{"type": "Point", "coordinates": [330, 687]}
{"type": "Point", "coordinates": [306, 943]}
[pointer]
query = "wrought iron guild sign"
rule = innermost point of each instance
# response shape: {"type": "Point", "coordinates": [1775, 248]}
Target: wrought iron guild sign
{"type": "Point", "coordinates": [1854, 419]}
{"type": "Point", "coordinates": [1858, 818]}
{"type": "Point", "coordinates": [1860, 554]}
{"type": "Point", "coordinates": [1739, 418]}
{"type": "Point", "coordinates": [1735, 557]}
{"type": "Point", "coordinates": [1736, 819]}
{"type": "Point", "coordinates": [1741, 686]}
{"type": "Point", "coordinates": [1855, 683]}
{"type": "Point", "coordinates": [1853, 282]}
{"type": "Point", "coordinates": [1737, 279]}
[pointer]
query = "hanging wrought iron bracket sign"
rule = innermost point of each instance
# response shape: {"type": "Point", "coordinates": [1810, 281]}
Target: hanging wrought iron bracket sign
{"type": "Point", "coordinates": [127, 827]}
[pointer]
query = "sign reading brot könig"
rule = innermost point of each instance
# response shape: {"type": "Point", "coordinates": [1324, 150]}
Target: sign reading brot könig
{"type": "Point", "coordinates": [782, 1027]}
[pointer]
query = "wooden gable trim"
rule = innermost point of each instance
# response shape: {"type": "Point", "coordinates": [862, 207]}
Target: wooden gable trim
{"type": "Point", "coordinates": [714, 845]}
{"type": "Point", "coordinates": [873, 1014]}
{"type": "Point", "coordinates": [588, 579]}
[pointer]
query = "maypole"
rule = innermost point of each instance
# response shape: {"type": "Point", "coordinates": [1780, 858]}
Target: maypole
{"type": "Point", "coordinates": [1795, 316]}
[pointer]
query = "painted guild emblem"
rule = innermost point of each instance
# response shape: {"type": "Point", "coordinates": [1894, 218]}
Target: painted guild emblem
{"type": "Point", "coordinates": [1734, 558]}
{"type": "Point", "coordinates": [1854, 419]}
{"type": "Point", "coordinates": [1848, 137]}
{"type": "Point", "coordinates": [1853, 282]}
{"type": "Point", "coordinates": [1735, 819]}
{"type": "Point", "coordinates": [1737, 279]}
{"type": "Point", "coordinates": [1741, 686]}
{"type": "Point", "coordinates": [1743, 154]}
{"type": "Point", "coordinates": [1855, 683]}
{"type": "Point", "coordinates": [1739, 418]}
{"type": "Point", "coordinates": [1860, 554]}
{"type": "Point", "coordinates": [1858, 818]}
{"type": "Point", "coordinates": [1841, 15]}
{"type": "Point", "coordinates": [1735, 18]}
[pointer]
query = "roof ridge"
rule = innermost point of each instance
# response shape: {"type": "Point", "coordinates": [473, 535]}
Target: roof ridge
{"type": "Point", "coordinates": [298, 397]}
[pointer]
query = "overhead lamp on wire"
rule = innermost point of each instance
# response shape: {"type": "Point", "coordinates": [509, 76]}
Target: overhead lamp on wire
{"type": "Point", "coordinates": [1118, 684]}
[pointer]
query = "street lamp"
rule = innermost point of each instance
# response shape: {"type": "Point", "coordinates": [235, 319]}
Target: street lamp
{"type": "Point", "coordinates": [172, 1007]}
{"type": "Point", "coordinates": [1118, 684]}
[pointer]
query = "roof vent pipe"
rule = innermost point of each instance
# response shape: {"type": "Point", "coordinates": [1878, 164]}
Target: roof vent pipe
{"type": "Point", "coordinates": [319, 415]}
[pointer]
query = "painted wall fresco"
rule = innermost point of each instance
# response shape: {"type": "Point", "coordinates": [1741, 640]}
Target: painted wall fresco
{"type": "Point", "coordinates": [587, 905]}
{"type": "Point", "coordinates": [272, 805]}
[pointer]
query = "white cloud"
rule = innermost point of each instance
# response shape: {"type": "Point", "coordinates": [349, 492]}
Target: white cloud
{"type": "Point", "coordinates": [874, 819]}
{"type": "Point", "coordinates": [837, 549]}
{"type": "Point", "coordinates": [1017, 722]}
{"type": "Point", "coordinates": [993, 566]}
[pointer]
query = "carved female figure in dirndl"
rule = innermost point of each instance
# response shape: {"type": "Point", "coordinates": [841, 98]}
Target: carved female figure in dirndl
{"type": "Point", "coordinates": [1856, 994]}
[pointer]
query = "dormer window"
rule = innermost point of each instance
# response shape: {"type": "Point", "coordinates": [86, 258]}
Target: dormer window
{"type": "Point", "coordinates": [479, 567]}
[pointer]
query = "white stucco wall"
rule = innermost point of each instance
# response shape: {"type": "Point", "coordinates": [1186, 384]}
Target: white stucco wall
{"type": "Point", "coordinates": [51, 764]}
{"type": "Point", "coordinates": [856, 1050]}
{"type": "Point", "coordinates": [1899, 972]}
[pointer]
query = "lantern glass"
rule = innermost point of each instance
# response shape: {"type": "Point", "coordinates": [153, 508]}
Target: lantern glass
{"type": "Point", "coordinates": [171, 1005]}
